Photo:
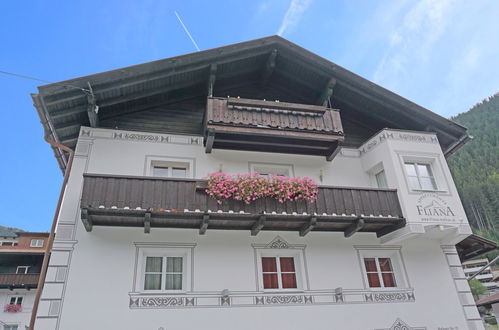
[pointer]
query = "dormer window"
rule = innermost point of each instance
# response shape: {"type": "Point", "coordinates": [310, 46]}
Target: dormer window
{"type": "Point", "coordinates": [36, 243]}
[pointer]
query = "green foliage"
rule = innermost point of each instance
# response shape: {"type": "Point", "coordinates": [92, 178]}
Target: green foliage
{"type": "Point", "coordinates": [476, 167]}
{"type": "Point", "coordinates": [477, 288]}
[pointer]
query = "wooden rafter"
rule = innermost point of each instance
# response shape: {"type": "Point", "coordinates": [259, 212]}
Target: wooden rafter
{"type": "Point", "coordinates": [326, 93]}
{"type": "Point", "coordinates": [147, 222]}
{"type": "Point", "coordinates": [211, 79]}
{"type": "Point", "coordinates": [92, 108]}
{"type": "Point", "coordinates": [269, 67]}
{"type": "Point", "coordinates": [87, 221]}
{"type": "Point", "coordinates": [354, 227]}
{"type": "Point", "coordinates": [204, 224]}
{"type": "Point", "coordinates": [308, 227]}
{"type": "Point", "coordinates": [258, 226]}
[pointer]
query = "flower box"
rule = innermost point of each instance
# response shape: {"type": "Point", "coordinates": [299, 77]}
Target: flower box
{"type": "Point", "coordinates": [13, 308]}
{"type": "Point", "coordinates": [250, 187]}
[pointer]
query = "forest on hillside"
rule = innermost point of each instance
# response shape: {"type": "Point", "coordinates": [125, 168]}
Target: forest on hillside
{"type": "Point", "coordinates": [475, 167]}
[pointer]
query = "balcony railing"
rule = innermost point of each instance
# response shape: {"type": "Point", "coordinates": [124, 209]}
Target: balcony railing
{"type": "Point", "coordinates": [182, 203]}
{"type": "Point", "coordinates": [256, 125]}
{"type": "Point", "coordinates": [12, 281]}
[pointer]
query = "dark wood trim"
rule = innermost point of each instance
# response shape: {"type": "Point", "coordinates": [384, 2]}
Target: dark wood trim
{"type": "Point", "coordinates": [204, 224]}
{"type": "Point", "coordinates": [354, 227]}
{"type": "Point", "coordinates": [258, 226]}
{"type": "Point", "coordinates": [327, 93]}
{"type": "Point", "coordinates": [211, 79]}
{"type": "Point", "coordinates": [387, 230]}
{"type": "Point", "coordinates": [276, 105]}
{"type": "Point", "coordinates": [308, 227]}
{"type": "Point", "coordinates": [87, 221]}
{"type": "Point", "coordinates": [147, 222]}
{"type": "Point", "coordinates": [92, 108]}
{"type": "Point", "coordinates": [269, 67]}
{"type": "Point", "coordinates": [210, 139]}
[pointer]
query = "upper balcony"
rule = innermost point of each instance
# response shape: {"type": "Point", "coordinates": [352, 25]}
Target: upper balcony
{"type": "Point", "coordinates": [182, 203]}
{"type": "Point", "coordinates": [14, 281]}
{"type": "Point", "coordinates": [270, 126]}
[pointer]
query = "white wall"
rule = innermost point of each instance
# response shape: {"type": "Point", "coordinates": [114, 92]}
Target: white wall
{"type": "Point", "coordinates": [90, 276]}
{"type": "Point", "coordinates": [20, 318]}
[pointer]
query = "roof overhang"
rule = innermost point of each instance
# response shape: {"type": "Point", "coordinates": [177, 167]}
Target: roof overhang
{"type": "Point", "coordinates": [239, 68]}
{"type": "Point", "coordinates": [474, 246]}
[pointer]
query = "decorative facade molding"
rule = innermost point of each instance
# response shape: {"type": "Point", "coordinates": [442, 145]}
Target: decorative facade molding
{"type": "Point", "coordinates": [256, 299]}
{"type": "Point", "coordinates": [406, 136]}
{"type": "Point", "coordinates": [401, 325]}
{"type": "Point", "coordinates": [278, 243]}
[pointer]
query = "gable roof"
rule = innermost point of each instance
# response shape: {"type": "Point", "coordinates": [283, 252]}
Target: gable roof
{"type": "Point", "coordinates": [168, 95]}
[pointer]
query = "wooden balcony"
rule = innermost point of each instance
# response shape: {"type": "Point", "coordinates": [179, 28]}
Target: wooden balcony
{"type": "Point", "coordinates": [269, 126]}
{"type": "Point", "coordinates": [182, 203]}
{"type": "Point", "coordinates": [15, 281]}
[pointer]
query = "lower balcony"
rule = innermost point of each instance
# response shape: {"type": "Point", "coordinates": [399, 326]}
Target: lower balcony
{"type": "Point", "coordinates": [16, 281]}
{"type": "Point", "coordinates": [151, 202]}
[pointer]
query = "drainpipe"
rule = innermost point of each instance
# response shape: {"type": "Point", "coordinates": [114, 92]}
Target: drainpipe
{"type": "Point", "coordinates": [59, 149]}
{"type": "Point", "coordinates": [48, 248]}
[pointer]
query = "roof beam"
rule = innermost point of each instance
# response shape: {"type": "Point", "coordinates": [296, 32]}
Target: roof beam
{"type": "Point", "coordinates": [334, 152]}
{"type": "Point", "coordinates": [147, 222]}
{"type": "Point", "coordinates": [87, 221]}
{"type": "Point", "coordinates": [388, 229]}
{"type": "Point", "coordinates": [204, 224]}
{"type": "Point", "coordinates": [326, 93]}
{"type": "Point", "coordinates": [354, 227]}
{"type": "Point", "coordinates": [258, 226]}
{"type": "Point", "coordinates": [211, 79]}
{"type": "Point", "coordinates": [269, 67]}
{"type": "Point", "coordinates": [308, 226]}
{"type": "Point", "coordinates": [92, 108]}
{"type": "Point", "coordinates": [210, 138]}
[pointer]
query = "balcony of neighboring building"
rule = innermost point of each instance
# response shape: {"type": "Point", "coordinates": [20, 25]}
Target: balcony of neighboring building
{"type": "Point", "coordinates": [150, 202]}
{"type": "Point", "coordinates": [18, 281]}
{"type": "Point", "coordinates": [19, 270]}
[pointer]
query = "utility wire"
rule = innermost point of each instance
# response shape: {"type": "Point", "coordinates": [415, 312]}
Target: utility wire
{"type": "Point", "coordinates": [41, 80]}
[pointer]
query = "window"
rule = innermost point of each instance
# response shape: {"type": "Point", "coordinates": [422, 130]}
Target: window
{"type": "Point", "coordinates": [22, 269]}
{"type": "Point", "coordinates": [169, 171]}
{"type": "Point", "coordinates": [163, 273]}
{"type": "Point", "coordinates": [381, 179]}
{"type": "Point", "coordinates": [279, 273]}
{"type": "Point", "coordinates": [10, 327]}
{"type": "Point", "coordinates": [379, 272]}
{"type": "Point", "coordinates": [16, 300]}
{"type": "Point", "coordinates": [36, 243]}
{"type": "Point", "coordinates": [8, 243]}
{"type": "Point", "coordinates": [163, 267]}
{"type": "Point", "coordinates": [271, 169]}
{"type": "Point", "coordinates": [420, 176]}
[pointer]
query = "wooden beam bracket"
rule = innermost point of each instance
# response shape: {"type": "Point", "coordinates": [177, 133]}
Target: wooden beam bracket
{"type": "Point", "coordinates": [147, 222]}
{"type": "Point", "coordinates": [327, 93]}
{"type": "Point", "coordinates": [388, 229]}
{"type": "Point", "coordinates": [308, 226]}
{"type": "Point", "coordinates": [211, 79]}
{"type": "Point", "coordinates": [258, 226]}
{"type": "Point", "coordinates": [87, 221]}
{"type": "Point", "coordinates": [269, 67]}
{"type": "Point", "coordinates": [354, 227]}
{"type": "Point", "coordinates": [92, 107]}
{"type": "Point", "coordinates": [210, 138]}
{"type": "Point", "coordinates": [204, 224]}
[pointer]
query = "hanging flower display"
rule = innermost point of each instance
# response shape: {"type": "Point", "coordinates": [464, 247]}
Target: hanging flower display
{"type": "Point", "coordinates": [12, 308]}
{"type": "Point", "coordinates": [250, 187]}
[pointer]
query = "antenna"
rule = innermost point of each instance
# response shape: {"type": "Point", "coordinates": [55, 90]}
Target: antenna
{"type": "Point", "coordinates": [186, 31]}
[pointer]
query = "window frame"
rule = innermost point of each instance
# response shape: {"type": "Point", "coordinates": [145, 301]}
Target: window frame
{"type": "Point", "coordinates": [415, 165]}
{"type": "Point", "coordinates": [16, 300]}
{"type": "Point", "coordinates": [380, 273]}
{"type": "Point", "coordinates": [394, 253]}
{"type": "Point", "coordinates": [25, 267]}
{"type": "Point", "coordinates": [300, 270]}
{"type": "Point", "coordinates": [10, 327]}
{"type": "Point", "coordinates": [36, 240]}
{"type": "Point", "coordinates": [143, 250]}
{"type": "Point", "coordinates": [170, 162]}
{"type": "Point", "coordinates": [383, 172]}
{"type": "Point", "coordinates": [252, 166]}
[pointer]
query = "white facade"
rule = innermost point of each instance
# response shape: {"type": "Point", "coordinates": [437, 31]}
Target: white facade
{"type": "Point", "coordinates": [9, 320]}
{"type": "Point", "coordinates": [95, 279]}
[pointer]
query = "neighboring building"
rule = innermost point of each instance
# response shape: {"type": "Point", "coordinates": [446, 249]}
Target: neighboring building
{"type": "Point", "coordinates": [140, 245]}
{"type": "Point", "coordinates": [486, 277]}
{"type": "Point", "coordinates": [491, 301]}
{"type": "Point", "coordinates": [21, 256]}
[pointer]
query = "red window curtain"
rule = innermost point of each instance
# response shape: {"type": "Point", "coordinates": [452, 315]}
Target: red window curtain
{"type": "Point", "coordinates": [288, 275]}
{"type": "Point", "coordinates": [269, 270]}
{"type": "Point", "coordinates": [387, 272]}
{"type": "Point", "coordinates": [372, 273]}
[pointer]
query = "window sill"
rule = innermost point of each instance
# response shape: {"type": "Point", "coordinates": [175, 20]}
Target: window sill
{"type": "Point", "coordinates": [283, 291]}
{"type": "Point", "coordinates": [428, 191]}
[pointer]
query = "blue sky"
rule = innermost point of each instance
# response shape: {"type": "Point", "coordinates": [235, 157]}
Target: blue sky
{"type": "Point", "coordinates": [442, 54]}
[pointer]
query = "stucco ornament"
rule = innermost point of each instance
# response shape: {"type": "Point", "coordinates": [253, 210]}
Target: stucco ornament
{"type": "Point", "coordinates": [278, 243]}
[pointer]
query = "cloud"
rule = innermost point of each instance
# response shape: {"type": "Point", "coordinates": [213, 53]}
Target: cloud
{"type": "Point", "coordinates": [293, 14]}
{"type": "Point", "coordinates": [414, 39]}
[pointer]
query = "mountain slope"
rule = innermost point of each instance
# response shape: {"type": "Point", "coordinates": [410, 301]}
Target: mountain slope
{"type": "Point", "coordinates": [476, 167]}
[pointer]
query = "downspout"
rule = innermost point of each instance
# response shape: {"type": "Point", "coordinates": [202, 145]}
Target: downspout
{"type": "Point", "coordinates": [48, 248]}
{"type": "Point", "coordinates": [59, 150]}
